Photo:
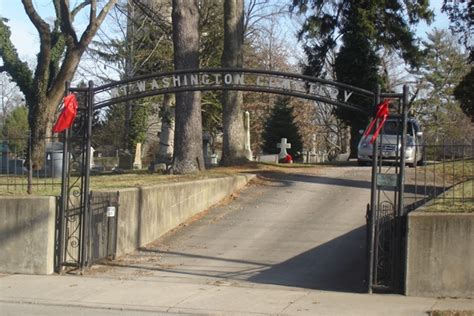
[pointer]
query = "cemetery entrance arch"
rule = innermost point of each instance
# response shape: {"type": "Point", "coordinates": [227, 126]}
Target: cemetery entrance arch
{"type": "Point", "coordinates": [385, 212]}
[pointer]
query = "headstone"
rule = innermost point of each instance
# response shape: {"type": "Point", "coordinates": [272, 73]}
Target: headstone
{"type": "Point", "coordinates": [166, 134]}
{"type": "Point", "coordinates": [311, 155]}
{"type": "Point", "coordinates": [322, 156]}
{"type": "Point", "coordinates": [206, 144]}
{"type": "Point", "coordinates": [343, 157]}
{"type": "Point", "coordinates": [137, 161]}
{"type": "Point", "coordinates": [247, 148]}
{"type": "Point", "coordinates": [268, 158]}
{"type": "Point", "coordinates": [206, 148]}
{"type": "Point", "coordinates": [125, 160]}
{"type": "Point", "coordinates": [283, 145]}
{"type": "Point", "coordinates": [214, 159]}
{"type": "Point", "coordinates": [92, 150]}
{"type": "Point", "coordinates": [155, 167]}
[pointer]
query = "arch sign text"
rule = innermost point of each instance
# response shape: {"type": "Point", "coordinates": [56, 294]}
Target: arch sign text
{"type": "Point", "coordinates": [234, 79]}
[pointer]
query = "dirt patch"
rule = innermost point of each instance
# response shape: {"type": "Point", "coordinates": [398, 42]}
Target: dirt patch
{"type": "Point", "coordinates": [451, 313]}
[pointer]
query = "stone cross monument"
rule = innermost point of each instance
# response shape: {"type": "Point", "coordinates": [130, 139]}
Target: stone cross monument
{"type": "Point", "coordinates": [283, 145]}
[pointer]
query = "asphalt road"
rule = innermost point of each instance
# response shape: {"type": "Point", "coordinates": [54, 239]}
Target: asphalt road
{"type": "Point", "coordinates": [303, 230]}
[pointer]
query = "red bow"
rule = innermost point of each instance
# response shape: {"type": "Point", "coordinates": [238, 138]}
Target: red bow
{"type": "Point", "coordinates": [67, 116]}
{"type": "Point", "coordinates": [382, 114]}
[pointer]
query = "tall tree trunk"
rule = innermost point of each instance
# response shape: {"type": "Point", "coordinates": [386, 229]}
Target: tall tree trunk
{"type": "Point", "coordinates": [188, 155]}
{"type": "Point", "coordinates": [233, 151]}
{"type": "Point", "coordinates": [41, 124]}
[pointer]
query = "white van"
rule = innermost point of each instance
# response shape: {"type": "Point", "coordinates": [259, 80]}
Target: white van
{"type": "Point", "coordinates": [388, 138]}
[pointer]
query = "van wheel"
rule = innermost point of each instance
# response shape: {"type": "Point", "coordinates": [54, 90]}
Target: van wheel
{"type": "Point", "coordinates": [362, 163]}
{"type": "Point", "coordinates": [421, 162]}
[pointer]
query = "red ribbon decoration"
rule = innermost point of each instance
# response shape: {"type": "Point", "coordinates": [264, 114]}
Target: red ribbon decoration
{"type": "Point", "coordinates": [382, 114]}
{"type": "Point", "coordinates": [67, 116]}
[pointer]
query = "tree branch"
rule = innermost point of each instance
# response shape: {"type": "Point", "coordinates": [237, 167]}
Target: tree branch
{"type": "Point", "coordinates": [94, 22]}
{"type": "Point", "coordinates": [66, 24]}
{"type": "Point", "coordinates": [93, 11]}
{"type": "Point", "coordinates": [74, 52]}
{"type": "Point", "coordinates": [38, 22]}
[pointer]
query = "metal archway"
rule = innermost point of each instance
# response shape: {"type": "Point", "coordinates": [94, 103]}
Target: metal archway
{"type": "Point", "coordinates": [77, 213]}
{"type": "Point", "coordinates": [219, 79]}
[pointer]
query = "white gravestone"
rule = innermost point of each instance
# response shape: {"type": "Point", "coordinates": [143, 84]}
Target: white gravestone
{"type": "Point", "coordinates": [248, 149]}
{"type": "Point", "coordinates": [137, 162]}
{"type": "Point", "coordinates": [283, 145]}
{"type": "Point", "coordinates": [92, 164]}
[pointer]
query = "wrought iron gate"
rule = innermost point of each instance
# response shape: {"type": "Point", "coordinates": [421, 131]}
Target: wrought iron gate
{"type": "Point", "coordinates": [85, 233]}
{"type": "Point", "coordinates": [386, 214]}
{"type": "Point", "coordinates": [386, 218]}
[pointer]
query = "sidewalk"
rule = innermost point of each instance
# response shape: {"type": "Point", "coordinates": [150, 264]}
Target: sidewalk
{"type": "Point", "coordinates": [76, 295]}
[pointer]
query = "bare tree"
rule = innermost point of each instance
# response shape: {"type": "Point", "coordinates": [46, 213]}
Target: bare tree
{"type": "Point", "coordinates": [60, 52]}
{"type": "Point", "coordinates": [188, 155]}
{"type": "Point", "coordinates": [257, 12]}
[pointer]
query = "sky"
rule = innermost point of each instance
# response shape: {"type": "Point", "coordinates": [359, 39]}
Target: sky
{"type": "Point", "coordinates": [25, 39]}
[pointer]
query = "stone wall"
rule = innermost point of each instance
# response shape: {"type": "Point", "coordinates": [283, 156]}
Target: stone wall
{"type": "Point", "coordinates": [27, 229]}
{"type": "Point", "coordinates": [27, 224]}
{"type": "Point", "coordinates": [440, 254]}
{"type": "Point", "coordinates": [147, 213]}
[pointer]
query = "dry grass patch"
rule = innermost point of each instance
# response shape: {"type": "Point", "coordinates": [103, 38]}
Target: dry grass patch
{"type": "Point", "coordinates": [110, 181]}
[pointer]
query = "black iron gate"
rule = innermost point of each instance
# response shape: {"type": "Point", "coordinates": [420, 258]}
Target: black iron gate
{"type": "Point", "coordinates": [386, 215]}
{"type": "Point", "coordinates": [86, 225]}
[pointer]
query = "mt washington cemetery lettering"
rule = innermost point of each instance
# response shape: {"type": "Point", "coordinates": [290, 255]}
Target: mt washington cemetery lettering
{"type": "Point", "coordinates": [230, 79]}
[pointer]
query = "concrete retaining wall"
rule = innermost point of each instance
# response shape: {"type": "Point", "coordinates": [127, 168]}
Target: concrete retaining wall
{"type": "Point", "coordinates": [27, 223]}
{"type": "Point", "coordinates": [147, 213]}
{"type": "Point", "coordinates": [440, 255]}
{"type": "Point", "coordinates": [27, 234]}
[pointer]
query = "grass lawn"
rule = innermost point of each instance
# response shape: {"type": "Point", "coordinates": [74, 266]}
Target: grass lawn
{"type": "Point", "coordinates": [454, 177]}
{"type": "Point", "coordinates": [458, 199]}
{"type": "Point", "coordinates": [46, 186]}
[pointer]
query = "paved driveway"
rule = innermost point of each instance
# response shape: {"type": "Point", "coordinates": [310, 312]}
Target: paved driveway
{"type": "Point", "coordinates": [299, 230]}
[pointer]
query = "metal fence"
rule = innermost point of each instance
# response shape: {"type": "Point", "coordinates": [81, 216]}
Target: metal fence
{"type": "Point", "coordinates": [444, 178]}
{"type": "Point", "coordinates": [16, 173]}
